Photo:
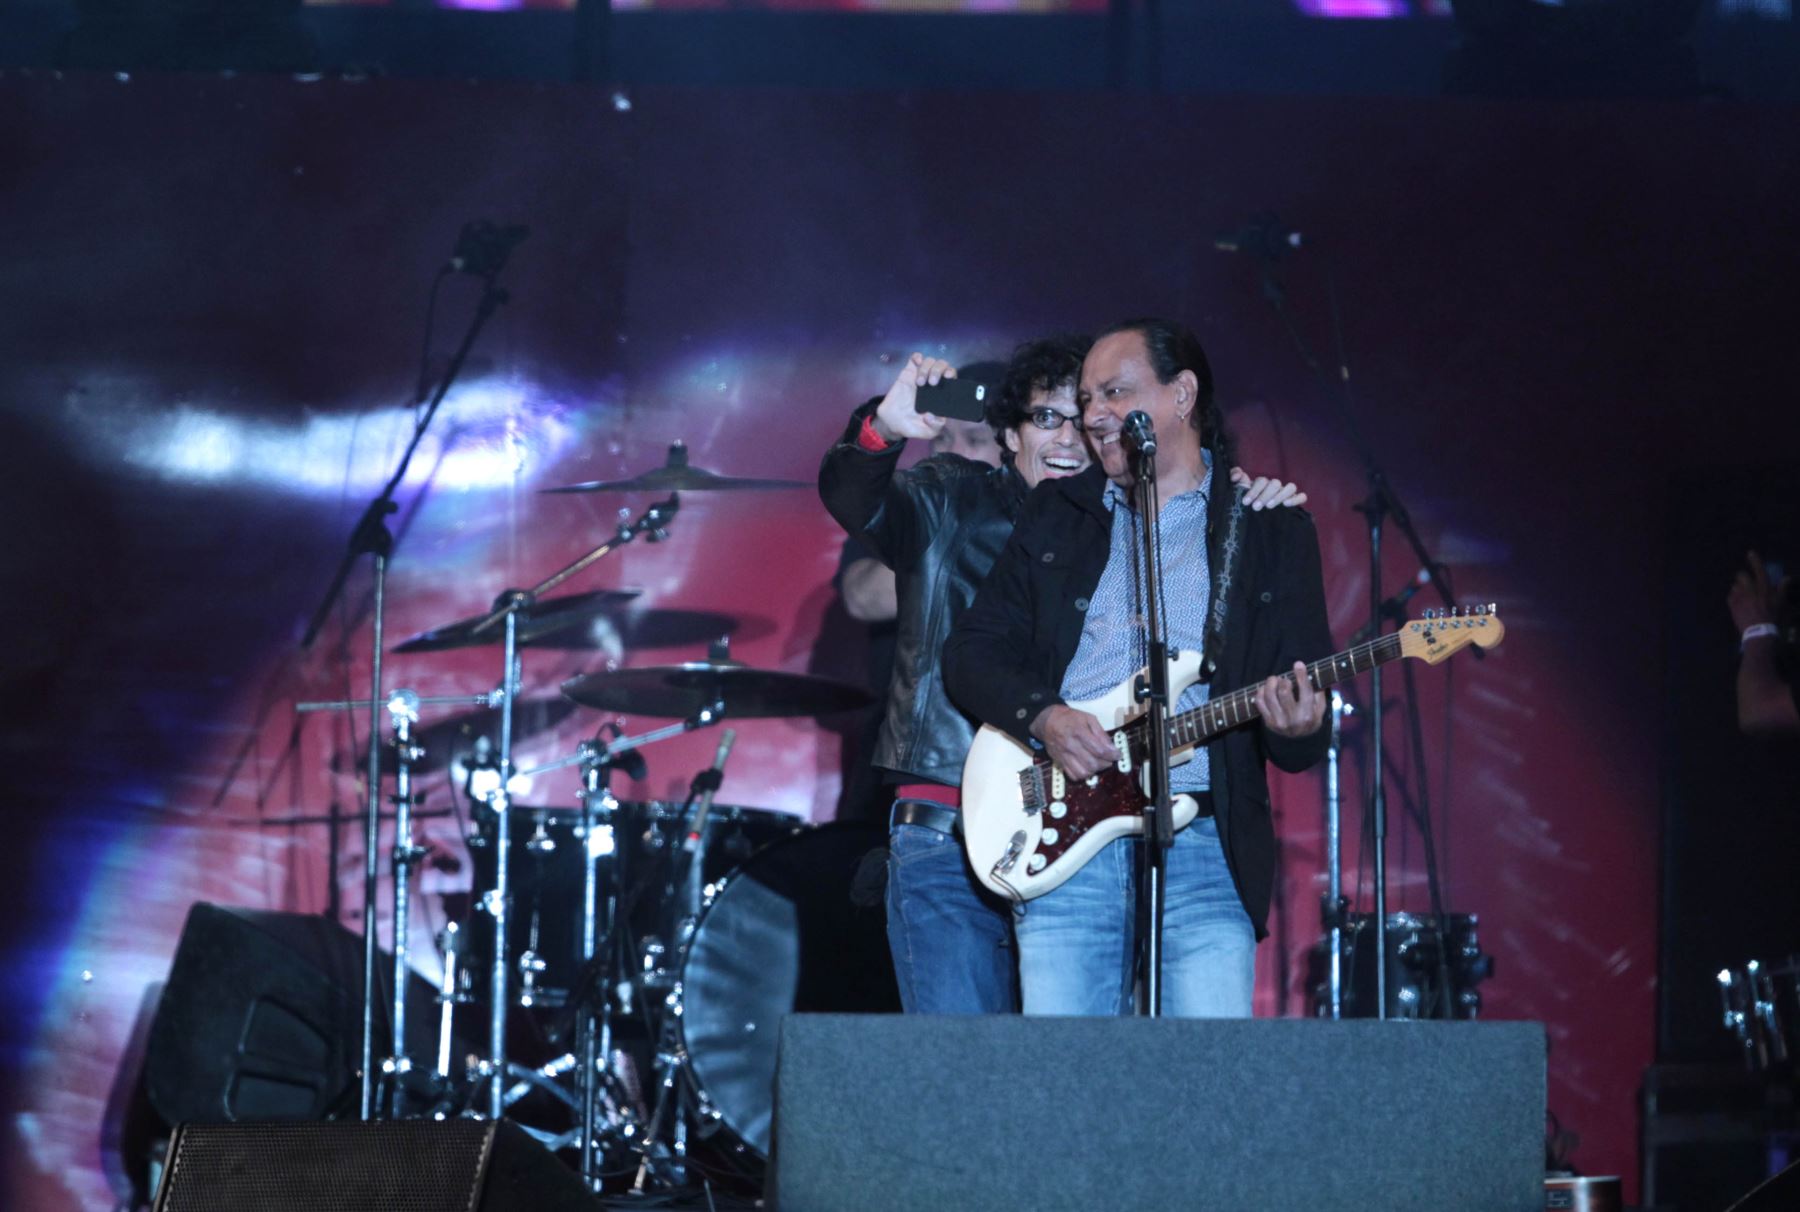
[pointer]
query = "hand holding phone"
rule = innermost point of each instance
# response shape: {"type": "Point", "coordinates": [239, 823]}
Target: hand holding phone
{"type": "Point", "coordinates": [902, 414]}
{"type": "Point", "coordinates": [961, 399]}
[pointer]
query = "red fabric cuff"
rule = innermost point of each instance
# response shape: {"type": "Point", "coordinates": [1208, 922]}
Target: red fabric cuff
{"type": "Point", "coordinates": [867, 437]}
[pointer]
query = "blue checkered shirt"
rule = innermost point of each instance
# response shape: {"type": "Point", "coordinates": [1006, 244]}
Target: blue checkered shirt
{"type": "Point", "coordinates": [1114, 640]}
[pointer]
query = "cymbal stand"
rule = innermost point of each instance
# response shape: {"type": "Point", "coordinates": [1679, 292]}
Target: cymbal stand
{"type": "Point", "coordinates": [652, 525]}
{"type": "Point", "coordinates": [686, 897]}
{"type": "Point", "coordinates": [594, 1030]}
{"type": "Point", "coordinates": [498, 900]}
{"type": "Point", "coordinates": [1332, 907]}
{"type": "Point", "coordinates": [403, 713]}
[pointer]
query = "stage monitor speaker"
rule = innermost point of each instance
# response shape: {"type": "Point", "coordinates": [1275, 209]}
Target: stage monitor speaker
{"type": "Point", "coordinates": [262, 1019]}
{"type": "Point", "coordinates": [1040, 1114]}
{"type": "Point", "coordinates": [419, 1165]}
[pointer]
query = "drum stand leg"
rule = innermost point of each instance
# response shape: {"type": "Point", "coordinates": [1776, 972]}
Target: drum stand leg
{"type": "Point", "coordinates": [397, 1066]}
{"type": "Point", "coordinates": [673, 1060]}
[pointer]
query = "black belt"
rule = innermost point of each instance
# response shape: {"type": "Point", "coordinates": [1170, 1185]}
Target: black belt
{"type": "Point", "coordinates": [927, 814]}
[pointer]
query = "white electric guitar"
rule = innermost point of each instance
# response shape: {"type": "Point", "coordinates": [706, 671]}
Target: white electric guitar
{"type": "Point", "coordinates": [1028, 827]}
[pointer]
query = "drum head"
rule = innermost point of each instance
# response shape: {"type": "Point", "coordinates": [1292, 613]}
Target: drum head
{"type": "Point", "coordinates": [781, 937]}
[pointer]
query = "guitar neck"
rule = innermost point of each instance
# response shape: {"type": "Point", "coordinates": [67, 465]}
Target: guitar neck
{"type": "Point", "coordinates": [1239, 707]}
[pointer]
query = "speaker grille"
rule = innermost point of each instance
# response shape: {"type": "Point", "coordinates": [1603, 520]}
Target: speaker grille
{"type": "Point", "coordinates": [327, 1167]}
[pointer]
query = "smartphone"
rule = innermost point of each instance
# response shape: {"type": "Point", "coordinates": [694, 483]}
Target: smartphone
{"type": "Point", "coordinates": [963, 399]}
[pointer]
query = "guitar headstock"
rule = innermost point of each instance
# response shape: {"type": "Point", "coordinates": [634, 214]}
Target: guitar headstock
{"type": "Point", "coordinates": [1439, 633]}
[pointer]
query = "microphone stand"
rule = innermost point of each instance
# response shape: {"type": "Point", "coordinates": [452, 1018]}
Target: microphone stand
{"type": "Point", "coordinates": [1381, 503]}
{"type": "Point", "coordinates": [372, 538]}
{"type": "Point", "coordinates": [1159, 811]}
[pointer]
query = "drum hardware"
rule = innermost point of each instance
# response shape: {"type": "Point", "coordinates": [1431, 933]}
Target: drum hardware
{"type": "Point", "coordinates": [508, 609]}
{"type": "Point", "coordinates": [1762, 1009]}
{"type": "Point", "coordinates": [403, 713]}
{"type": "Point", "coordinates": [624, 853]}
{"type": "Point", "coordinates": [1420, 956]}
{"type": "Point", "coordinates": [454, 989]}
{"type": "Point", "coordinates": [1333, 907]}
{"type": "Point", "coordinates": [545, 619]}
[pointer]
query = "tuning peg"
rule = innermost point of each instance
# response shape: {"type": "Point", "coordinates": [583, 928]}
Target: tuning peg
{"type": "Point", "coordinates": [1430, 614]}
{"type": "Point", "coordinates": [1493, 608]}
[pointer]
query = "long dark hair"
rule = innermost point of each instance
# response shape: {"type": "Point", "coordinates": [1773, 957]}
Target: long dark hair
{"type": "Point", "coordinates": [1174, 348]}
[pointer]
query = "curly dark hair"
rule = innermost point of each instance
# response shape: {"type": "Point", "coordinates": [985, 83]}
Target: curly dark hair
{"type": "Point", "coordinates": [1045, 364]}
{"type": "Point", "coordinates": [1174, 348]}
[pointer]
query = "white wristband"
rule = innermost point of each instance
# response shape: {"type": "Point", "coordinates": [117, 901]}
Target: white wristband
{"type": "Point", "coordinates": [1755, 632]}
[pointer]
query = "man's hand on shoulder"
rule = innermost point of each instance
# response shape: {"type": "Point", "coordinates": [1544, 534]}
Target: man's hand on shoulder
{"type": "Point", "coordinates": [1291, 709]}
{"type": "Point", "coordinates": [1074, 740]}
{"type": "Point", "coordinates": [1264, 492]}
{"type": "Point", "coordinates": [898, 415]}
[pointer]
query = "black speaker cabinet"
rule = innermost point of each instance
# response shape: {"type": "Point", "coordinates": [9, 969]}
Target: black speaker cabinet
{"type": "Point", "coordinates": [1039, 1114]}
{"type": "Point", "coordinates": [262, 1019]}
{"type": "Point", "coordinates": [458, 1165]}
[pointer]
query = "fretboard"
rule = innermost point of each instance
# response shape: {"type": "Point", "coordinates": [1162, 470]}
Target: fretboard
{"type": "Point", "coordinates": [1239, 707]}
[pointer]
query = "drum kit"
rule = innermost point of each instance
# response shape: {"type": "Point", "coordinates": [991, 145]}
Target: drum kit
{"type": "Point", "coordinates": [626, 964]}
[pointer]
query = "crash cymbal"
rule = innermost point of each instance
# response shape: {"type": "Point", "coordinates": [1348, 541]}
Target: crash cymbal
{"type": "Point", "coordinates": [677, 476]}
{"type": "Point", "coordinates": [630, 630]}
{"type": "Point", "coordinates": [678, 691]}
{"type": "Point", "coordinates": [539, 624]}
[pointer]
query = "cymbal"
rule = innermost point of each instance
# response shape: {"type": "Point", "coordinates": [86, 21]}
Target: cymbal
{"type": "Point", "coordinates": [676, 476]}
{"type": "Point", "coordinates": [539, 624]}
{"type": "Point", "coordinates": [658, 627]}
{"type": "Point", "coordinates": [678, 691]}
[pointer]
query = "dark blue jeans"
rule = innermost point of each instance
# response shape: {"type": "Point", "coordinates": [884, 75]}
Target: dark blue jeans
{"type": "Point", "coordinates": [951, 939]}
{"type": "Point", "coordinates": [1077, 941]}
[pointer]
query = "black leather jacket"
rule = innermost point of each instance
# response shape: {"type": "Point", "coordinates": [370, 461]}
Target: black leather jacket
{"type": "Point", "coordinates": [939, 525]}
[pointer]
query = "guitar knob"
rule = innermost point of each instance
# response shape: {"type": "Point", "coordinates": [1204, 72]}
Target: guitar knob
{"type": "Point", "coordinates": [1048, 837]}
{"type": "Point", "coordinates": [1058, 809]}
{"type": "Point", "coordinates": [1036, 864]}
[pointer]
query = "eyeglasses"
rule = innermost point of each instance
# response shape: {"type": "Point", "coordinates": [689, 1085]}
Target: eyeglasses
{"type": "Point", "coordinates": [1048, 418]}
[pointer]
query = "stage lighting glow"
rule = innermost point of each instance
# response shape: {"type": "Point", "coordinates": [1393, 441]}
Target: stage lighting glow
{"type": "Point", "coordinates": [489, 434]}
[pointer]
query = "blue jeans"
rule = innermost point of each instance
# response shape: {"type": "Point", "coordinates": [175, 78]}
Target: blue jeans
{"type": "Point", "coordinates": [951, 939]}
{"type": "Point", "coordinates": [1076, 942]}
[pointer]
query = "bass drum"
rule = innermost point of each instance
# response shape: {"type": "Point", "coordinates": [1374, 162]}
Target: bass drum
{"type": "Point", "coordinates": [779, 936]}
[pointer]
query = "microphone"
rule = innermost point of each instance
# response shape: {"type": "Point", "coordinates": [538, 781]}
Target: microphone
{"type": "Point", "coordinates": [708, 782]}
{"type": "Point", "coordinates": [1139, 432]}
{"type": "Point", "coordinates": [1264, 237]}
{"type": "Point", "coordinates": [482, 248]}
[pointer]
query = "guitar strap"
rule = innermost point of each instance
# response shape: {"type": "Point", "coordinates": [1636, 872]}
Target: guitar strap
{"type": "Point", "coordinates": [1224, 570]}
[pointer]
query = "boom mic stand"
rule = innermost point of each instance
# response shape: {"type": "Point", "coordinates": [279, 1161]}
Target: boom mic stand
{"type": "Point", "coordinates": [481, 250]}
{"type": "Point", "coordinates": [1159, 812]}
{"type": "Point", "coordinates": [1381, 503]}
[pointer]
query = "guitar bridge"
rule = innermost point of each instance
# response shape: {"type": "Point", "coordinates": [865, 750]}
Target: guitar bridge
{"type": "Point", "coordinates": [1031, 789]}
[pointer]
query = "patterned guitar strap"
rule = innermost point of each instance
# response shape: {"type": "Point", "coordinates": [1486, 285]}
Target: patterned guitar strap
{"type": "Point", "coordinates": [1225, 566]}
